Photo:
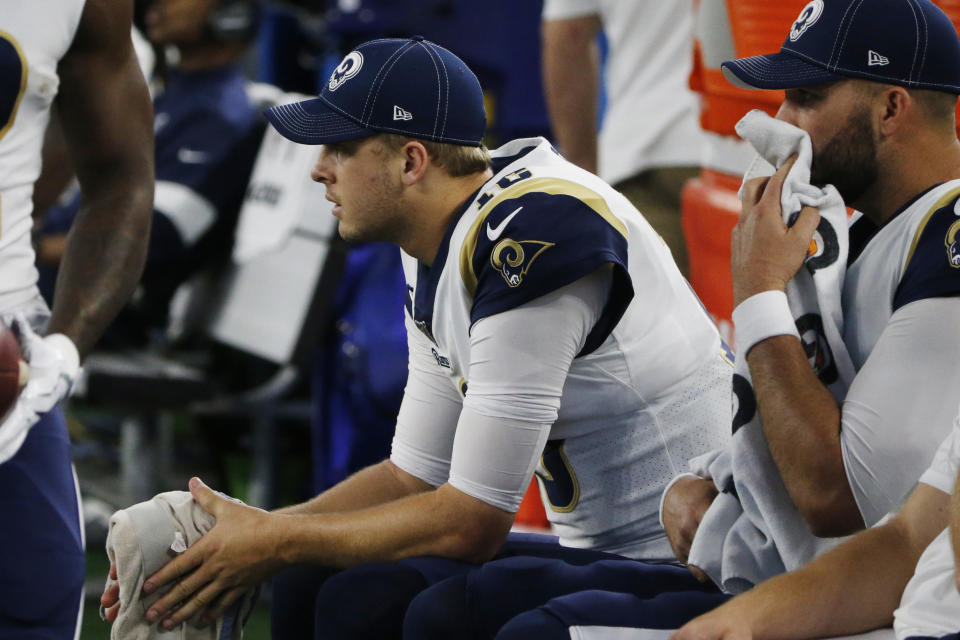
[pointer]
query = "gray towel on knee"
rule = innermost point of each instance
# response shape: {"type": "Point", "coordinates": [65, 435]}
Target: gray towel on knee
{"type": "Point", "coordinates": [141, 540]}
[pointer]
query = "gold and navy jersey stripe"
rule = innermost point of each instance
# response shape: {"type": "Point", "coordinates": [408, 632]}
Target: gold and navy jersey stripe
{"type": "Point", "coordinates": [933, 264]}
{"type": "Point", "coordinates": [537, 236]}
{"type": "Point", "coordinates": [420, 303]}
{"type": "Point", "coordinates": [13, 62]}
{"type": "Point", "coordinates": [501, 203]}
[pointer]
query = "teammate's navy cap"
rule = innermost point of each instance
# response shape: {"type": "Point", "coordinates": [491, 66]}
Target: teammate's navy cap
{"type": "Point", "coordinates": [910, 43]}
{"type": "Point", "coordinates": [408, 86]}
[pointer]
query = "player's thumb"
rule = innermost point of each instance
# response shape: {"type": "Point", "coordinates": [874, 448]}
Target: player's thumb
{"type": "Point", "coordinates": [204, 496]}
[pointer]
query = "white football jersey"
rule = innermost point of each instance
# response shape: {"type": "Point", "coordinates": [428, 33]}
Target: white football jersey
{"type": "Point", "coordinates": [34, 36]}
{"type": "Point", "coordinates": [650, 388]}
{"type": "Point", "coordinates": [915, 255]}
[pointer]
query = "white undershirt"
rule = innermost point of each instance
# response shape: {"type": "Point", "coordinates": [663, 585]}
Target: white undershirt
{"type": "Point", "coordinates": [901, 405]}
{"type": "Point", "coordinates": [519, 360]}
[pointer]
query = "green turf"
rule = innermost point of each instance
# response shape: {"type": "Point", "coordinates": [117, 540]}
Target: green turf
{"type": "Point", "coordinates": [93, 628]}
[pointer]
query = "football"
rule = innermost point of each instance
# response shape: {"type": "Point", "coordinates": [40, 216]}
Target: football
{"type": "Point", "coordinates": [14, 372]}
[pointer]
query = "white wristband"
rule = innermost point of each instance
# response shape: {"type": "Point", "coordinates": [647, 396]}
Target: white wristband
{"type": "Point", "coordinates": [759, 317]}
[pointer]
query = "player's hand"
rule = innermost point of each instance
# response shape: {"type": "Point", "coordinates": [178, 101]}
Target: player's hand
{"type": "Point", "coordinates": [240, 551]}
{"type": "Point", "coordinates": [764, 253]}
{"type": "Point", "coordinates": [54, 366]}
{"type": "Point", "coordinates": [683, 508]}
{"type": "Point", "coordinates": [110, 600]}
{"type": "Point", "coordinates": [716, 625]}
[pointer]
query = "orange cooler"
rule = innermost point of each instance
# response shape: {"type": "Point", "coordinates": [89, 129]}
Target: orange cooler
{"type": "Point", "coordinates": [710, 206]}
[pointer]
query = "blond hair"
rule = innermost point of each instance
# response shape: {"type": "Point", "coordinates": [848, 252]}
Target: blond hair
{"type": "Point", "coordinates": [456, 159]}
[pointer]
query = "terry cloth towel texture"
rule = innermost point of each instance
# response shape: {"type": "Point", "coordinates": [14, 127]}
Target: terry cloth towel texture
{"type": "Point", "coordinates": [143, 538]}
{"type": "Point", "coordinates": [753, 531]}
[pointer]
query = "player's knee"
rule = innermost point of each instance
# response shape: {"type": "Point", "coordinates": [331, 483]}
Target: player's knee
{"type": "Point", "coordinates": [439, 612]}
{"type": "Point", "coordinates": [538, 623]}
{"type": "Point", "coordinates": [368, 601]}
{"type": "Point", "coordinates": [515, 570]}
{"type": "Point", "coordinates": [294, 595]}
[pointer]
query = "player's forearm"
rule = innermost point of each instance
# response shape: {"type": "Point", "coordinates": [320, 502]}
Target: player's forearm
{"type": "Point", "coordinates": [852, 589]}
{"type": "Point", "coordinates": [107, 119]}
{"type": "Point", "coordinates": [571, 82]}
{"type": "Point", "coordinates": [375, 485]}
{"type": "Point", "coordinates": [102, 261]}
{"type": "Point", "coordinates": [443, 522]}
{"type": "Point", "coordinates": [801, 422]}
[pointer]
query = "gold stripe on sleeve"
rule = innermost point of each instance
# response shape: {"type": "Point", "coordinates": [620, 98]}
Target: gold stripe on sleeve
{"type": "Point", "coordinates": [941, 203]}
{"type": "Point", "coordinates": [23, 82]}
{"type": "Point", "coordinates": [552, 186]}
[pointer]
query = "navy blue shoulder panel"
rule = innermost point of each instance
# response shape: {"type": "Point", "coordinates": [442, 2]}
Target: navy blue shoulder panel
{"type": "Point", "coordinates": [540, 241]}
{"type": "Point", "coordinates": [621, 293]}
{"type": "Point", "coordinates": [933, 267]}
{"type": "Point", "coordinates": [860, 234]}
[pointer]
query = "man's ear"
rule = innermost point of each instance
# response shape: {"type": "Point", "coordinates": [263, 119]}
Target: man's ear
{"type": "Point", "coordinates": [415, 162]}
{"type": "Point", "coordinates": [895, 105]}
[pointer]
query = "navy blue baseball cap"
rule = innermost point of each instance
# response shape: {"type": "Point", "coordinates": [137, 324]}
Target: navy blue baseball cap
{"type": "Point", "coordinates": [408, 86]}
{"type": "Point", "coordinates": [910, 43]}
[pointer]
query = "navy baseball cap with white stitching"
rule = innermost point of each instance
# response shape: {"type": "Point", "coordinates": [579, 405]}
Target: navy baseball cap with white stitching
{"type": "Point", "coordinates": [408, 86]}
{"type": "Point", "coordinates": [910, 43]}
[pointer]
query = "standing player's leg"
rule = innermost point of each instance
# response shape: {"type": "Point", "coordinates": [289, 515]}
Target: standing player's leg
{"type": "Point", "coordinates": [656, 194]}
{"type": "Point", "coordinates": [41, 537]}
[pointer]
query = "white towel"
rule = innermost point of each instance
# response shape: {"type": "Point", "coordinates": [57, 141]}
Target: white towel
{"type": "Point", "coordinates": [752, 531]}
{"type": "Point", "coordinates": [141, 540]}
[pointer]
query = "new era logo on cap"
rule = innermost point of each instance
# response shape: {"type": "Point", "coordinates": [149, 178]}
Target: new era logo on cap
{"type": "Point", "coordinates": [874, 59]}
{"type": "Point", "coordinates": [399, 113]}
